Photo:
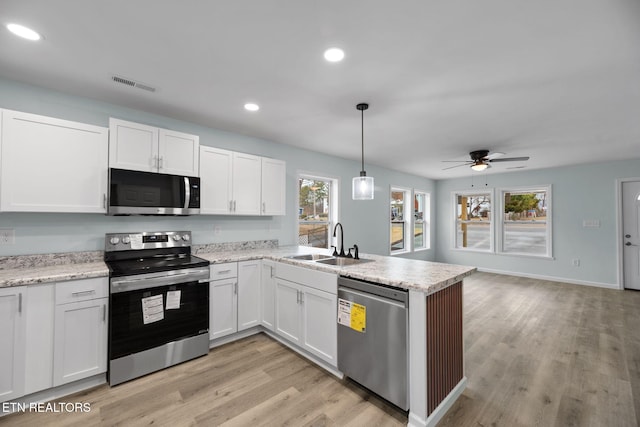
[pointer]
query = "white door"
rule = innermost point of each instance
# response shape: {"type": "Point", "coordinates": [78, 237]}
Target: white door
{"type": "Point", "coordinates": [215, 181]}
{"type": "Point", "coordinates": [288, 310]}
{"type": "Point", "coordinates": [133, 146]}
{"type": "Point", "coordinates": [179, 153]}
{"type": "Point", "coordinates": [268, 287]}
{"type": "Point", "coordinates": [631, 232]}
{"type": "Point", "coordinates": [249, 301]}
{"type": "Point", "coordinates": [319, 323]}
{"type": "Point", "coordinates": [223, 308]}
{"type": "Point", "coordinates": [246, 184]}
{"type": "Point", "coordinates": [12, 349]}
{"type": "Point", "coordinates": [52, 165]}
{"type": "Point", "coordinates": [80, 340]}
{"type": "Point", "coordinates": [274, 185]}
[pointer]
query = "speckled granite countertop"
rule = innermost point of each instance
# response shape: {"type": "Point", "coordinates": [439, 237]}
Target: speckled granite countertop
{"type": "Point", "coordinates": [424, 276]}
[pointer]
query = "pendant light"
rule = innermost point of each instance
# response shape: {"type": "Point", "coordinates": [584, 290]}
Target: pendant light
{"type": "Point", "coordinates": [362, 185]}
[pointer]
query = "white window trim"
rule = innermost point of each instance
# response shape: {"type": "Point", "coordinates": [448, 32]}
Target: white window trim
{"type": "Point", "coordinates": [334, 200]}
{"type": "Point", "coordinates": [426, 221]}
{"type": "Point", "coordinates": [408, 221]}
{"type": "Point", "coordinates": [501, 223]}
{"type": "Point", "coordinates": [454, 216]}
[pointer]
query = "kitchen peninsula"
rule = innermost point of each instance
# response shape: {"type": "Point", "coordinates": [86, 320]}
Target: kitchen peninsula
{"type": "Point", "coordinates": [435, 309]}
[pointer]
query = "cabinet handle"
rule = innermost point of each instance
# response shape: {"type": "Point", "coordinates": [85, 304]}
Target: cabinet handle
{"type": "Point", "coordinates": [104, 312]}
{"type": "Point", "coordinates": [104, 200]}
{"type": "Point", "coordinates": [264, 207]}
{"type": "Point", "coordinates": [224, 271]}
{"type": "Point", "coordinates": [83, 293]}
{"type": "Point", "coordinates": [234, 205]}
{"type": "Point", "coordinates": [161, 162]}
{"type": "Point", "coordinates": [301, 297]}
{"type": "Point", "coordinates": [235, 288]}
{"type": "Point", "coordinates": [297, 297]}
{"type": "Point", "coordinates": [230, 205]}
{"type": "Point", "coordinates": [20, 303]}
{"type": "Point", "coordinates": [271, 268]}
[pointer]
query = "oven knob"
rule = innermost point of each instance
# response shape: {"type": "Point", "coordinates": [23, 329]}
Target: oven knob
{"type": "Point", "coordinates": [126, 240]}
{"type": "Point", "coordinates": [185, 237]}
{"type": "Point", "coordinates": [114, 240]}
{"type": "Point", "coordinates": [176, 237]}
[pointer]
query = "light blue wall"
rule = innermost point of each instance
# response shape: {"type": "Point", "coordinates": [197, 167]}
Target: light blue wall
{"type": "Point", "coordinates": [365, 222]}
{"type": "Point", "coordinates": [585, 192]}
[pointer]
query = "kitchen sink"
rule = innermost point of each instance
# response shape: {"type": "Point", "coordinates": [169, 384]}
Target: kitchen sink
{"type": "Point", "coordinates": [310, 257]}
{"type": "Point", "coordinates": [342, 261]}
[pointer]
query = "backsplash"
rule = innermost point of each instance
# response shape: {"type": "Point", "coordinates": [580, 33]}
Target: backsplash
{"type": "Point", "coordinates": [48, 260]}
{"type": "Point", "coordinates": [234, 246]}
{"type": "Point", "coordinates": [62, 258]}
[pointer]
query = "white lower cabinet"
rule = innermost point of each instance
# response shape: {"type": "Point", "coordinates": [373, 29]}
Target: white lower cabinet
{"type": "Point", "coordinates": [223, 307]}
{"type": "Point", "coordinates": [268, 289]}
{"type": "Point", "coordinates": [80, 349]}
{"type": "Point", "coordinates": [306, 316]}
{"type": "Point", "coordinates": [12, 351]}
{"type": "Point", "coordinates": [234, 298]}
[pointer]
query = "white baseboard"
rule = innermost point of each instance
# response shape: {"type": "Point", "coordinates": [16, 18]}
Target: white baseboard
{"type": "Point", "coordinates": [551, 278]}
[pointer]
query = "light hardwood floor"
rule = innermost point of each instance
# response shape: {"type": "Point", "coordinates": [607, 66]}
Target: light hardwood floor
{"type": "Point", "coordinates": [537, 354]}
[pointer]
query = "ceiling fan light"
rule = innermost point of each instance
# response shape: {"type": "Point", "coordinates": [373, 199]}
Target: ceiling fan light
{"type": "Point", "coordinates": [479, 167]}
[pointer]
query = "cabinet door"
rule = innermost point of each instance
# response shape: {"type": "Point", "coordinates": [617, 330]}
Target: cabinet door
{"type": "Point", "coordinates": [12, 350]}
{"type": "Point", "coordinates": [80, 340]}
{"type": "Point", "coordinates": [249, 300]}
{"type": "Point", "coordinates": [52, 165]}
{"type": "Point", "coordinates": [215, 181]}
{"type": "Point", "coordinates": [288, 310]}
{"type": "Point", "coordinates": [223, 312]}
{"type": "Point", "coordinates": [39, 337]}
{"type": "Point", "coordinates": [319, 324]}
{"type": "Point", "coordinates": [246, 184]}
{"type": "Point", "coordinates": [268, 287]}
{"type": "Point", "coordinates": [274, 187]}
{"type": "Point", "coordinates": [179, 153]}
{"type": "Point", "coordinates": [133, 146]}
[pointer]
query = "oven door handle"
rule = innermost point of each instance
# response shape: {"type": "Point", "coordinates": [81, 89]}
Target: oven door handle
{"type": "Point", "coordinates": [126, 285]}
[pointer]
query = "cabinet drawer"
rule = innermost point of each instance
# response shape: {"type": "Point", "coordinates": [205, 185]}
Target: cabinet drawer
{"type": "Point", "coordinates": [224, 271]}
{"type": "Point", "coordinates": [320, 280]}
{"type": "Point", "coordinates": [82, 290]}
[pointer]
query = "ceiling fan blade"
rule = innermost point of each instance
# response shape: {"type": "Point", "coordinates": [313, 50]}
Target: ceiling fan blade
{"type": "Point", "coordinates": [494, 155]}
{"type": "Point", "coordinates": [456, 166]}
{"type": "Point", "coordinates": [457, 161]}
{"type": "Point", "coordinates": [510, 159]}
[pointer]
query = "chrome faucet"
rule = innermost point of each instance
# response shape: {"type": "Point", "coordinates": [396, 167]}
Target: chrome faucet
{"type": "Point", "coordinates": [335, 253]}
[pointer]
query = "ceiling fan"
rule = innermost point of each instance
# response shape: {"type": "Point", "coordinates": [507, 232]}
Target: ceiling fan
{"type": "Point", "coordinates": [480, 160]}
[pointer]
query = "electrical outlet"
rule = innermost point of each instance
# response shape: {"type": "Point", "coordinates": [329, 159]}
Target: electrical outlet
{"type": "Point", "coordinates": [7, 236]}
{"type": "Point", "coordinates": [216, 230]}
{"type": "Point", "coordinates": [575, 262]}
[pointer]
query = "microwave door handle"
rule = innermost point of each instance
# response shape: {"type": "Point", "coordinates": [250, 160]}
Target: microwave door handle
{"type": "Point", "coordinates": [187, 192]}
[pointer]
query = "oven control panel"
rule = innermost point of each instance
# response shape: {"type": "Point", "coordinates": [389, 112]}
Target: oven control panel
{"type": "Point", "coordinates": [146, 240]}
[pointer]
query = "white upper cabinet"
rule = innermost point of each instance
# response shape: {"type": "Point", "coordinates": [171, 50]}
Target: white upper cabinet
{"type": "Point", "coordinates": [238, 183]}
{"type": "Point", "coordinates": [246, 184]}
{"type": "Point", "coordinates": [52, 165]}
{"type": "Point", "coordinates": [135, 146]}
{"type": "Point", "coordinates": [216, 191]}
{"type": "Point", "coordinates": [274, 186]}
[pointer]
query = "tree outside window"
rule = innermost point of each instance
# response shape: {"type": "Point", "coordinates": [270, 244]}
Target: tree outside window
{"type": "Point", "coordinates": [314, 211]}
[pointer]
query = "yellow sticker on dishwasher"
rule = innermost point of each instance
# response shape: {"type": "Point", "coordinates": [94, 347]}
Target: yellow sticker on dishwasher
{"type": "Point", "coordinates": [358, 317]}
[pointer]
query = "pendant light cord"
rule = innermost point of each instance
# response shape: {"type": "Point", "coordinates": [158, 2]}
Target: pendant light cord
{"type": "Point", "coordinates": [362, 133]}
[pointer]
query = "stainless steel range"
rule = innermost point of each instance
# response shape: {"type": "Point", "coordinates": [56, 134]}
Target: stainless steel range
{"type": "Point", "coordinates": [159, 302]}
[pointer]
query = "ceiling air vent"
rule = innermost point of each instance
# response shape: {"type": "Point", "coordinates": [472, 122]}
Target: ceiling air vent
{"type": "Point", "coordinates": [133, 83]}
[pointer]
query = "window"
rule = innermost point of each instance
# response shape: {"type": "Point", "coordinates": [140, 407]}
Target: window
{"type": "Point", "coordinates": [409, 229]}
{"type": "Point", "coordinates": [526, 221]}
{"type": "Point", "coordinates": [474, 227]}
{"type": "Point", "coordinates": [317, 210]}
{"type": "Point", "coordinates": [420, 221]}
{"type": "Point", "coordinates": [399, 226]}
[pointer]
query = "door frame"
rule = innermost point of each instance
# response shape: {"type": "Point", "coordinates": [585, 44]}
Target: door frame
{"type": "Point", "coordinates": [619, 225]}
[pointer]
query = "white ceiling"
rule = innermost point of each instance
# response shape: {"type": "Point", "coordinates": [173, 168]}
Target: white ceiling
{"type": "Point", "coordinates": [558, 81]}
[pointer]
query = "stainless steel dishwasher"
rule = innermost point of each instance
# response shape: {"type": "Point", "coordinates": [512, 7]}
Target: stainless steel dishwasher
{"type": "Point", "coordinates": [373, 337]}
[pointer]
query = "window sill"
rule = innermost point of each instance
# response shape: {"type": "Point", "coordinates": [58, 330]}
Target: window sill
{"type": "Point", "coordinates": [523, 255]}
{"type": "Point", "coordinates": [400, 253]}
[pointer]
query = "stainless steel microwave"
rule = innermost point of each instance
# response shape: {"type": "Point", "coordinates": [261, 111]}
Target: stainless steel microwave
{"type": "Point", "coordinates": [148, 193]}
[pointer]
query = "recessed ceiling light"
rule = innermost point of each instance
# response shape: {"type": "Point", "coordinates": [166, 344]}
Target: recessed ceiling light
{"type": "Point", "coordinates": [334, 54]}
{"type": "Point", "coordinates": [251, 106]}
{"type": "Point", "coordinates": [24, 32]}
